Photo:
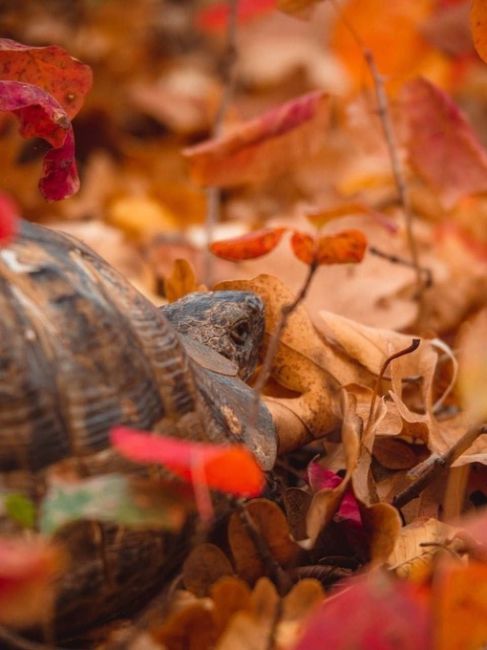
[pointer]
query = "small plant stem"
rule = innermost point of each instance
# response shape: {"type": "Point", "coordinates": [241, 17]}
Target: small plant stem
{"type": "Point", "coordinates": [213, 194]}
{"type": "Point", "coordinates": [391, 142]}
{"type": "Point", "coordinates": [435, 465]}
{"type": "Point", "coordinates": [286, 311]}
{"type": "Point", "coordinates": [411, 348]}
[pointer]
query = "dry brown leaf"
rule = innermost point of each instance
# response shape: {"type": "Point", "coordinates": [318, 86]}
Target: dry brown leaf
{"type": "Point", "coordinates": [181, 281]}
{"type": "Point", "coordinates": [253, 629]}
{"type": "Point", "coordinates": [272, 525]}
{"type": "Point", "coordinates": [472, 378]}
{"type": "Point", "coordinates": [301, 361]}
{"type": "Point", "coordinates": [410, 557]}
{"type": "Point", "coordinates": [204, 566]}
{"type": "Point", "coordinates": [230, 595]}
{"type": "Point", "coordinates": [383, 524]}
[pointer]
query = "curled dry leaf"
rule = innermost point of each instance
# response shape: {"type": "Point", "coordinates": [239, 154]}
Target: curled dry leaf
{"type": "Point", "coordinates": [181, 281]}
{"type": "Point", "coordinates": [441, 143]}
{"type": "Point", "coordinates": [472, 377]}
{"type": "Point", "coordinates": [264, 146]}
{"type": "Point", "coordinates": [249, 246]}
{"type": "Point", "coordinates": [326, 501]}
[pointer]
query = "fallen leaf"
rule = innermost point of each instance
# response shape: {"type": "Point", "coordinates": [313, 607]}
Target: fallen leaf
{"type": "Point", "coordinates": [205, 565]}
{"type": "Point", "coordinates": [50, 68]}
{"type": "Point", "coordinates": [181, 281]}
{"type": "Point", "coordinates": [262, 147]}
{"type": "Point", "coordinates": [478, 25]}
{"type": "Point", "coordinates": [215, 16]}
{"type": "Point", "coordinates": [472, 376]}
{"type": "Point", "coordinates": [272, 526]}
{"type": "Point", "coordinates": [28, 568]}
{"type": "Point", "coordinates": [249, 246]}
{"type": "Point", "coordinates": [8, 219]}
{"type": "Point", "coordinates": [370, 613]}
{"type": "Point", "coordinates": [230, 468]}
{"type": "Point", "coordinates": [459, 599]}
{"type": "Point", "coordinates": [442, 146]}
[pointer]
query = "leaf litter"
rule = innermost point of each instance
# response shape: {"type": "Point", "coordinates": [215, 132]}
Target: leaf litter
{"type": "Point", "coordinates": [362, 426]}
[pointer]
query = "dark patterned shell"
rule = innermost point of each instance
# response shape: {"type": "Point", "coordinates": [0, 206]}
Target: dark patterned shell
{"type": "Point", "coordinates": [80, 351]}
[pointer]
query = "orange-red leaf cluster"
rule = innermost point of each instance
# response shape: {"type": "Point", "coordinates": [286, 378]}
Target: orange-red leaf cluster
{"type": "Point", "coordinates": [229, 468]}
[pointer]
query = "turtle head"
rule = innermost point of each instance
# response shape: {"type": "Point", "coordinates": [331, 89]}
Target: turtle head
{"type": "Point", "coordinates": [229, 322]}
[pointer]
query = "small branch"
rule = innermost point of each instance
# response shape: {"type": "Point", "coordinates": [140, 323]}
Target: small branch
{"type": "Point", "coordinates": [213, 194]}
{"type": "Point", "coordinates": [390, 139]}
{"type": "Point", "coordinates": [286, 311]}
{"type": "Point", "coordinates": [435, 465]}
{"type": "Point", "coordinates": [395, 259]}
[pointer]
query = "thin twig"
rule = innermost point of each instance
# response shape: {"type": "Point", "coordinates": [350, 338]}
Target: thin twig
{"type": "Point", "coordinates": [396, 259]}
{"type": "Point", "coordinates": [213, 194]}
{"type": "Point", "coordinates": [411, 348]}
{"type": "Point", "coordinates": [391, 142]}
{"type": "Point", "coordinates": [436, 465]}
{"type": "Point", "coordinates": [265, 371]}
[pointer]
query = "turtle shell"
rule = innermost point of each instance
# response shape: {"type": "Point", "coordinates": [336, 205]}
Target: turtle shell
{"type": "Point", "coordinates": [81, 350]}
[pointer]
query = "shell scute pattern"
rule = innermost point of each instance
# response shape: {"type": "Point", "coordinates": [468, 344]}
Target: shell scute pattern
{"type": "Point", "coordinates": [80, 350]}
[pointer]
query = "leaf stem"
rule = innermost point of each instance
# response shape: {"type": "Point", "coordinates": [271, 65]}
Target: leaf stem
{"type": "Point", "coordinates": [213, 194]}
{"type": "Point", "coordinates": [391, 142]}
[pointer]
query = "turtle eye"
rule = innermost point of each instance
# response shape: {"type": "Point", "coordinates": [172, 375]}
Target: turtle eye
{"type": "Point", "coordinates": [240, 332]}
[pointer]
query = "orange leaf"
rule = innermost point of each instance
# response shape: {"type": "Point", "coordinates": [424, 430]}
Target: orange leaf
{"type": "Point", "coordinates": [28, 568]}
{"type": "Point", "coordinates": [391, 30]}
{"type": "Point", "coordinates": [304, 246]}
{"type": "Point", "coordinates": [249, 246]}
{"type": "Point", "coordinates": [460, 606]}
{"type": "Point", "coordinates": [441, 144]}
{"type": "Point", "coordinates": [229, 468]}
{"type": "Point", "coordinates": [264, 146]}
{"type": "Point", "coordinates": [345, 247]}
{"type": "Point", "coordinates": [478, 24]}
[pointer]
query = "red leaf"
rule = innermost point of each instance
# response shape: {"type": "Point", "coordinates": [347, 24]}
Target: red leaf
{"type": "Point", "coordinates": [319, 478]}
{"type": "Point", "coordinates": [8, 219]}
{"type": "Point", "coordinates": [249, 246]}
{"type": "Point", "coordinates": [264, 146]}
{"type": "Point", "coordinates": [49, 68]}
{"type": "Point", "coordinates": [373, 613]}
{"type": "Point", "coordinates": [28, 568]}
{"type": "Point", "coordinates": [345, 247]}
{"type": "Point", "coordinates": [229, 468]}
{"type": "Point", "coordinates": [42, 116]}
{"type": "Point", "coordinates": [215, 17]}
{"type": "Point", "coordinates": [441, 144]}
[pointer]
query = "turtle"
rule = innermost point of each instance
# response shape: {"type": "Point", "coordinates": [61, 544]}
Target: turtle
{"type": "Point", "coordinates": [81, 350]}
